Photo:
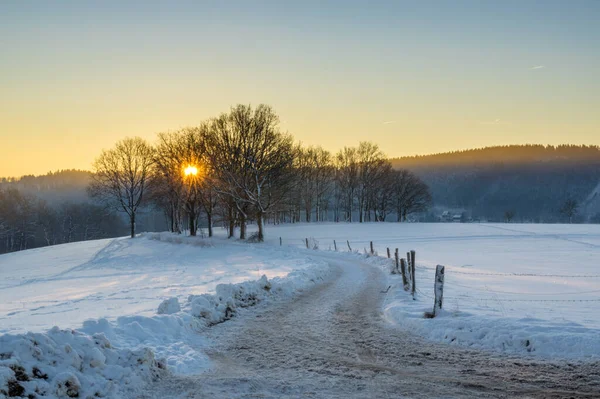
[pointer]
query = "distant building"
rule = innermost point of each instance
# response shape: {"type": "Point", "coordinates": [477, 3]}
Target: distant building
{"type": "Point", "coordinates": [446, 216]}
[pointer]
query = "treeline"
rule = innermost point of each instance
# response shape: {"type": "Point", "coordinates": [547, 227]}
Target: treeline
{"type": "Point", "coordinates": [507, 155]}
{"type": "Point", "coordinates": [54, 187]}
{"type": "Point", "coordinates": [239, 167]}
{"type": "Point", "coordinates": [532, 183]}
{"type": "Point", "coordinates": [29, 222]}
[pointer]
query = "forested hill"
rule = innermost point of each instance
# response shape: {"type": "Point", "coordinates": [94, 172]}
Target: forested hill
{"type": "Point", "coordinates": [53, 187]}
{"type": "Point", "coordinates": [533, 181]}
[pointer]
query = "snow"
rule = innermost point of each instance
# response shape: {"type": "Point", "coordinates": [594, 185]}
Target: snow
{"type": "Point", "coordinates": [114, 349]}
{"type": "Point", "coordinates": [131, 310]}
{"type": "Point", "coordinates": [68, 363]}
{"type": "Point", "coordinates": [67, 284]}
{"type": "Point", "coordinates": [515, 288]}
{"type": "Point", "coordinates": [169, 306]}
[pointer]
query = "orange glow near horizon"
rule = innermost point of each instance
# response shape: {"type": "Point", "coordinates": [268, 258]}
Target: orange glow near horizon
{"type": "Point", "coordinates": [435, 79]}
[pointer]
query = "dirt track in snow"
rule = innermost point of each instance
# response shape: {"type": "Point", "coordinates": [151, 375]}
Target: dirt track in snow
{"type": "Point", "coordinates": [332, 342]}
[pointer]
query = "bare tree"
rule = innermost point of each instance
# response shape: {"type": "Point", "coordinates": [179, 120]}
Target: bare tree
{"type": "Point", "coordinates": [371, 159]}
{"type": "Point", "coordinates": [509, 215]}
{"type": "Point", "coordinates": [167, 182]}
{"type": "Point", "coordinates": [569, 209]}
{"type": "Point", "coordinates": [411, 194]}
{"type": "Point", "coordinates": [253, 159]}
{"type": "Point", "coordinates": [347, 178]}
{"type": "Point", "coordinates": [323, 180]}
{"type": "Point", "coordinates": [381, 196]}
{"type": "Point", "coordinates": [121, 176]}
{"type": "Point", "coordinates": [304, 174]}
{"type": "Point", "coordinates": [314, 171]}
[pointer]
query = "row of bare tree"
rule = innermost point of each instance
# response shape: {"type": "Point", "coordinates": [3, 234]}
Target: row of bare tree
{"type": "Point", "coordinates": [240, 167]}
{"type": "Point", "coordinates": [28, 222]}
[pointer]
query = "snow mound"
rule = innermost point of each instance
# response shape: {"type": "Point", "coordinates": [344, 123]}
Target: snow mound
{"type": "Point", "coordinates": [68, 363]}
{"type": "Point", "coordinates": [173, 238]}
{"type": "Point", "coordinates": [169, 306]}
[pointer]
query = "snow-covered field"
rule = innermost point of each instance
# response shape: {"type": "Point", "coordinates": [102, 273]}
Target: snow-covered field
{"type": "Point", "coordinates": [65, 285]}
{"type": "Point", "coordinates": [138, 307]}
{"type": "Point", "coordinates": [518, 288]}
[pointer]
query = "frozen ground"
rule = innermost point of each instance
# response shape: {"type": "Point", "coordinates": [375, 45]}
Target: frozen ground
{"type": "Point", "coordinates": [528, 292]}
{"type": "Point", "coordinates": [331, 342]}
{"type": "Point", "coordinates": [517, 288]}
{"type": "Point", "coordinates": [65, 285]}
{"type": "Point", "coordinates": [139, 307]}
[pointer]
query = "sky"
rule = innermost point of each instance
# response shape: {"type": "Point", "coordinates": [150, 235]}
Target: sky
{"type": "Point", "coordinates": [415, 77]}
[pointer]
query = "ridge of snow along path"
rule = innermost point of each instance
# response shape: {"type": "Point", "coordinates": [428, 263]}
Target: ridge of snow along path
{"type": "Point", "coordinates": [117, 357]}
{"type": "Point", "coordinates": [332, 342]}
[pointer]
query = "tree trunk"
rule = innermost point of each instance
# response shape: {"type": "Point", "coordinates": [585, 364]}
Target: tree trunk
{"type": "Point", "coordinates": [192, 224]}
{"type": "Point", "coordinates": [132, 222]}
{"type": "Point", "coordinates": [231, 223]}
{"type": "Point", "coordinates": [209, 221]}
{"type": "Point", "coordinates": [259, 223]}
{"type": "Point", "coordinates": [242, 227]}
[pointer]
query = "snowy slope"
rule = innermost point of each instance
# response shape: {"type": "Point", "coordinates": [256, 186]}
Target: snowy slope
{"type": "Point", "coordinates": [547, 309]}
{"type": "Point", "coordinates": [139, 308]}
{"type": "Point", "coordinates": [65, 285]}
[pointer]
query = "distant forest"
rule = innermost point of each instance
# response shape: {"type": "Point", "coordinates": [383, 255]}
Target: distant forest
{"type": "Point", "coordinates": [37, 211]}
{"type": "Point", "coordinates": [530, 183]}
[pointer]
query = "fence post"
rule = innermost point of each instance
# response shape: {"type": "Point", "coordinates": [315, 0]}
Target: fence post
{"type": "Point", "coordinates": [408, 263]}
{"type": "Point", "coordinates": [388, 251]}
{"type": "Point", "coordinates": [334, 245]}
{"type": "Point", "coordinates": [349, 248]}
{"type": "Point", "coordinates": [403, 271]}
{"type": "Point", "coordinates": [397, 261]}
{"type": "Point", "coordinates": [306, 243]}
{"type": "Point", "coordinates": [280, 242]}
{"type": "Point", "coordinates": [372, 251]}
{"type": "Point", "coordinates": [413, 273]}
{"type": "Point", "coordinates": [439, 289]}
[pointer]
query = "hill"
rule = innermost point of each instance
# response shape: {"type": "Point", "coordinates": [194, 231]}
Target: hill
{"type": "Point", "coordinates": [531, 181]}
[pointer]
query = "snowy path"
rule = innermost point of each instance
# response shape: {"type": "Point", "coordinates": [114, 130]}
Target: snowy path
{"type": "Point", "coordinates": [331, 342]}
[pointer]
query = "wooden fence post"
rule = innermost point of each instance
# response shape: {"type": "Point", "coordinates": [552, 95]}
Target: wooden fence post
{"type": "Point", "coordinates": [388, 252]}
{"type": "Point", "coordinates": [372, 251]}
{"type": "Point", "coordinates": [306, 243]}
{"type": "Point", "coordinates": [334, 245]}
{"type": "Point", "coordinates": [280, 241]}
{"type": "Point", "coordinates": [403, 271]}
{"type": "Point", "coordinates": [349, 248]}
{"type": "Point", "coordinates": [397, 261]}
{"type": "Point", "coordinates": [412, 273]}
{"type": "Point", "coordinates": [408, 263]}
{"type": "Point", "coordinates": [439, 289]}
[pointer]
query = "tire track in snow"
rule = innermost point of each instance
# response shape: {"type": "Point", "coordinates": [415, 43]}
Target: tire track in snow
{"type": "Point", "coordinates": [332, 342]}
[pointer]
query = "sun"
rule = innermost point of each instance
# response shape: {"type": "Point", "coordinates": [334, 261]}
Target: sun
{"type": "Point", "coordinates": [190, 170]}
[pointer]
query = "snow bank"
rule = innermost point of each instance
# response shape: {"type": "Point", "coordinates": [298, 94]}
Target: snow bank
{"type": "Point", "coordinates": [88, 362]}
{"type": "Point", "coordinates": [524, 289]}
{"type": "Point", "coordinates": [172, 238]}
{"type": "Point", "coordinates": [525, 336]}
{"type": "Point", "coordinates": [68, 363]}
{"type": "Point", "coordinates": [116, 357]}
{"type": "Point", "coordinates": [169, 306]}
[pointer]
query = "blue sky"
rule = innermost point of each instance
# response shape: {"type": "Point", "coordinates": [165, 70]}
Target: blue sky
{"type": "Point", "coordinates": [415, 77]}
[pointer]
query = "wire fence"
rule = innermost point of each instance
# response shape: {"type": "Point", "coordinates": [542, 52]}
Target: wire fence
{"type": "Point", "coordinates": [451, 283]}
{"type": "Point", "coordinates": [454, 271]}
